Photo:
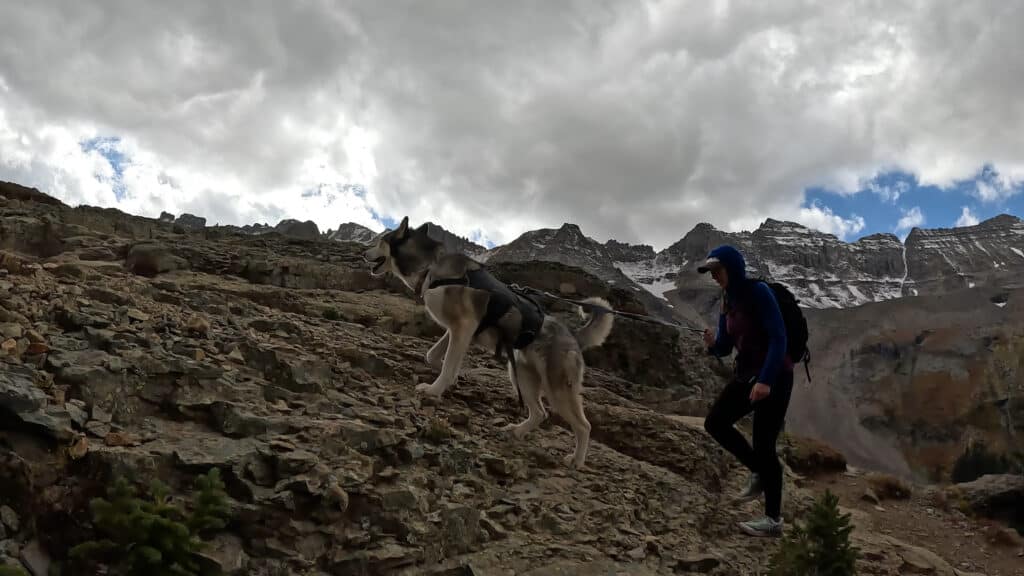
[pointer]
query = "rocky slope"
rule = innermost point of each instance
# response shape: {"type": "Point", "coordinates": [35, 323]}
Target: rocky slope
{"type": "Point", "coordinates": [283, 364]}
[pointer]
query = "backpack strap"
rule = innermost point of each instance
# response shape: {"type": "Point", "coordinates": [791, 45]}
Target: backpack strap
{"type": "Point", "coordinates": [807, 361]}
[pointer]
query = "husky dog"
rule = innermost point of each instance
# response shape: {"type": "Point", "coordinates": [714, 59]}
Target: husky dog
{"type": "Point", "coordinates": [545, 358]}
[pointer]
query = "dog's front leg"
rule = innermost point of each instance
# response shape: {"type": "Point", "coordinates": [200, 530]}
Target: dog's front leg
{"type": "Point", "coordinates": [436, 353]}
{"type": "Point", "coordinates": [460, 336]}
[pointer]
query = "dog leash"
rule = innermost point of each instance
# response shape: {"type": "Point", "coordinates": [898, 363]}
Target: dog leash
{"type": "Point", "coordinates": [591, 307]}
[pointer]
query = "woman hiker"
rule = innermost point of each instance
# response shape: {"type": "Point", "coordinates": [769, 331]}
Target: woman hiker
{"type": "Point", "coordinates": [751, 322]}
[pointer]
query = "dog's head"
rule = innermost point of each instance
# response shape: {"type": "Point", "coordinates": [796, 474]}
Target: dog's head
{"type": "Point", "coordinates": [402, 252]}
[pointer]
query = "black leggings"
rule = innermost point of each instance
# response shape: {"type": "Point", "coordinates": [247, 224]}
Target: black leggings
{"type": "Point", "coordinates": [769, 416]}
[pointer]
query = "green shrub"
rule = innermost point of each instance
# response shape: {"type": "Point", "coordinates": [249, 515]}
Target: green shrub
{"type": "Point", "coordinates": [821, 547]}
{"type": "Point", "coordinates": [12, 571]}
{"type": "Point", "coordinates": [332, 314]}
{"type": "Point", "coordinates": [154, 536]}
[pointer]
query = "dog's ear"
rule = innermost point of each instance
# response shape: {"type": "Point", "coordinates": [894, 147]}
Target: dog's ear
{"type": "Point", "coordinates": [403, 228]}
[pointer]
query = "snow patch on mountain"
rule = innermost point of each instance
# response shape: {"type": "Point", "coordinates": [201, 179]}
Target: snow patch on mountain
{"type": "Point", "coordinates": [654, 276]}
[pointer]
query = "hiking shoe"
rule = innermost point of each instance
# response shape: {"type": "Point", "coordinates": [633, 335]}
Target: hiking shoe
{"type": "Point", "coordinates": [763, 527]}
{"type": "Point", "coordinates": [753, 490]}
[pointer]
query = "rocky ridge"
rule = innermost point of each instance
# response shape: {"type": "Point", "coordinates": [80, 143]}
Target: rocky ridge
{"type": "Point", "coordinates": [823, 271]}
{"type": "Point", "coordinates": [282, 363]}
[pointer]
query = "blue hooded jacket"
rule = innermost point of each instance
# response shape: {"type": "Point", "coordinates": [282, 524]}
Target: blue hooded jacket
{"type": "Point", "coordinates": [769, 315]}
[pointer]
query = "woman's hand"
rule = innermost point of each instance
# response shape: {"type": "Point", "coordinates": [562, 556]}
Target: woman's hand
{"type": "Point", "coordinates": [759, 392]}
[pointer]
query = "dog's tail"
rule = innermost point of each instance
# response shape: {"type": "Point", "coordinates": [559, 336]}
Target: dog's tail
{"type": "Point", "coordinates": [598, 326]}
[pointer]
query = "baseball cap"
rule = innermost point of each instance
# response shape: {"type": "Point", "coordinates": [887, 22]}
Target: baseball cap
{"type": "Point", "coordinates": [711, 262]}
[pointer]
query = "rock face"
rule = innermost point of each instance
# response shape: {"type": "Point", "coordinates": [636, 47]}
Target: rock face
{"type": "Point", "coordinates": [998, 496]}
{"type": "Point", "coordinates": [190, 222]}
{"type": "Point", "coordinates": [294, 229]}
{"type": "Point", "coordinates": [622, 252]}
{"type": "Point", "coordinates": [945, 260]}
{"type": "Point", "coordinates": [905, 385]}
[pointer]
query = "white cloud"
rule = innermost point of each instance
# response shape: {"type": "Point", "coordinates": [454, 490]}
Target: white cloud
{"type": "Point", "coordinates": [967, 217]}
{"type": "Point", "coordinates": [822, 218]}
{"type": "Point", "coordinates": [815, 216]}
{"type": "Point", "coordinates": [635, 120]}
{"type": "Point", "coordinates": [912, 218]}
{"type": "Point", "coordinates": [889, 192]}
{"type": "Point", "coordinates": [996, 189]}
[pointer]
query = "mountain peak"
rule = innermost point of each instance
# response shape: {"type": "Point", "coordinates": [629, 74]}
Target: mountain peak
{"type": "Point", "coordinates": [307, 230]}
{"type": "Point", "coordinates": [1003, 219]}
{"type": "Point", "coordinates": [453, 242]}
{"type": "Point", "coordinates": [773, 224]}
{"type": "Point", "coordinates": [625, 252]}
{"type": "Point", "coordinates": [352, 232]}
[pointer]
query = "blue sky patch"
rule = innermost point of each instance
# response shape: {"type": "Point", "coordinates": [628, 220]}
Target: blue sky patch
{"type": "Point", "coordinates": [891, 196]}
{"type": "Point", "coordinates": [389, 223]}
{"type": "Point", "coordinates": [110, 148]}
{"type": "Point", "coordinates": [477, 237]}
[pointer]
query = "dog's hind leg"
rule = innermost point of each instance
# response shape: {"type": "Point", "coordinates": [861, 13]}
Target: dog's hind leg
{"type": "Point", "coordinates": [567, 401]}
{"type": "Point", "coordinates": [529, 385]}
{"type": "Point", "coordinates": [435, 356]}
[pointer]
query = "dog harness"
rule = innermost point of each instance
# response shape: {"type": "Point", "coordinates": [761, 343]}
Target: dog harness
{"type": "Point", "coordinates": [501, 301]}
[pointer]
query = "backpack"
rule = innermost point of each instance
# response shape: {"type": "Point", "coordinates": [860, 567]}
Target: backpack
{"type": "Point", "coordinates": [796, 324]}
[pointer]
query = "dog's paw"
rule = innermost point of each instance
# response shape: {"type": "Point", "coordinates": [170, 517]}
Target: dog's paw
{"type": "Point", "coordinates": [513, 431]}
{"type": "Point", "coordinates": [430, 389]}
{"type": "Point", "coordinates": [435, 389]}
{"type": "Point", "coordinates": [570, 462]}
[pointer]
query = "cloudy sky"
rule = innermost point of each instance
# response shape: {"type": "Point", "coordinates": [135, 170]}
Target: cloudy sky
{"type": "Point", "coordinates": [634, 119]}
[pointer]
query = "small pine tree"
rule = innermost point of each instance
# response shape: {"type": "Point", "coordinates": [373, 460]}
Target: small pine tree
{"type": "Point", "coordinates": [152, 537]}
{"type": "Point", "coordinates": [210, 507]}
{"type": "Point", "coordinates": [821, 547]}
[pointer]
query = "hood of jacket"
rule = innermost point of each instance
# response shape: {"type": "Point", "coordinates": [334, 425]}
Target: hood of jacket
{"type": "Point", "coordinates": [735, 265]}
